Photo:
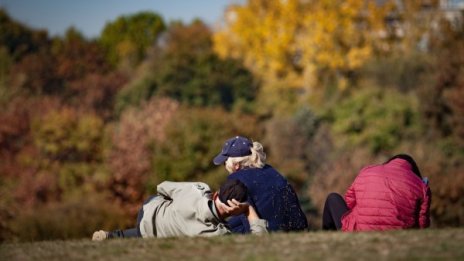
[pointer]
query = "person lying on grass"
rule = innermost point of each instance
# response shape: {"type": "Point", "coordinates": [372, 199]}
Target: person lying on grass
{"type": "Point", "coordinates": [189, 209]}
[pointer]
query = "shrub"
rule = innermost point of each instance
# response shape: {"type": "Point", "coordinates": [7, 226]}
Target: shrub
{"type": "Point", "coordinates": [66, 135]}
{"type": "Point", "coordinates": [378, 119]}
{"type": "Point", "coordinates": [75, 218]}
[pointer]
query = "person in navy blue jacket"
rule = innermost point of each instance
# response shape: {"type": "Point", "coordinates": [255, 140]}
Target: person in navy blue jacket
{"type": "Point", "coordinates": [269, 192]}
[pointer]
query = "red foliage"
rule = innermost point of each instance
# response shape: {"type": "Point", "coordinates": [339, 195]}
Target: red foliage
{"type": "Point", "coordinates": [97, 92]}
{"type": "Point", "coordinates": [16, 119]}
{"type": "Point", "coordinates": [17, 151]}
{"type": "Point", "coordinates": [129, 160]}
{"type": "Point", "coordinates": [76, 57]}
{"type": "Point", "coordinates": [14, 125]}
{"type": "Point", "coordinates": [35, 73]}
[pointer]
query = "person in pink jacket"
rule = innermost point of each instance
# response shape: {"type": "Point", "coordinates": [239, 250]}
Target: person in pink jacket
{"type": "Point", "coordinates": [392, 195]}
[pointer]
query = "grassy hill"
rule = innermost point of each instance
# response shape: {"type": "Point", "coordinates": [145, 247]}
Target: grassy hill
{"type": "Point", "coordinates": [395, 245]}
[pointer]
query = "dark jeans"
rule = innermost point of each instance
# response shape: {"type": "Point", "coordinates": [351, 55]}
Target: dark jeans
{"type": "Point", "coordinates": [334, 208]}
{"type": "Point", "coordinates": [131, 232]}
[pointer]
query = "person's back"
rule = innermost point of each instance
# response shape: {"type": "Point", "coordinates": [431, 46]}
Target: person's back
{"type": "Point", "coordinates": [268, 191]}
{"type": "Point", "coordinates": [387, 196]}
{"type": "Point", "coordinates": [273, 198]}
{"type": "Point", "coordinates": [181, 209]}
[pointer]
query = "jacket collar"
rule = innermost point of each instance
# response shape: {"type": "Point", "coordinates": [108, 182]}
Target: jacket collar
{"type": "Point", "coordinates": [214, 211]}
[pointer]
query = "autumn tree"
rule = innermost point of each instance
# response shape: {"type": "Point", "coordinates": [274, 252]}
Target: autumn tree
{"type": "Point", "coordinates": [263, 34]}
{"type": "Point", "coordinates": [52, 69]}
{"type": "Point", "coordinates": [77, 56]}
{"type": "Point", "coordinates": [96, 93]}
{"type": "Point", "coordinates": [18, 39]}
{"type": "Point", "coordinates": [128, 38]}
{"type": "Point", "coordinates": [129, 159]}
{"type": "Point", "coordinates": [25, 59]}
{"type": "Point", "coordinates": [338, 35]}
{"type": "Point", "coordinates": [6, 62]}
{"type": "Point", "coordinates": [294, 44]}
{"type": "Point", "coordinates": [190, 72]}
{"type": "Point", "coordinates": [185, 68]}
{"type": "Point", "coordinates": [442, 96]}
{"type": "Point", "coordinates": [35, 74]}
{"type": "Point", "coordinates": [87, 81]}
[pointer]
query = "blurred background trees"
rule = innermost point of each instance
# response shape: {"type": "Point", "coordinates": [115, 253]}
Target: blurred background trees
{"type": "Point", "coordinates": [88, 127]}
{"type": "Point", "coordinates": [127, 39]}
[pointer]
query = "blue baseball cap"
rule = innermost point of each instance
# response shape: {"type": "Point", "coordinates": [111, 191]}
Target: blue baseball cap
{"type": "Point", "coordinates": [234, 147]}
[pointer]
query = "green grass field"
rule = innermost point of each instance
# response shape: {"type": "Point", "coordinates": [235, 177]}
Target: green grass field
{"type": "Point", "coordinates": [430, 244]}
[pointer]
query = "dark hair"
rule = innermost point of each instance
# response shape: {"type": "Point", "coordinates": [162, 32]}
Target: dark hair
{"type": "Point", "coordinates": [233, 188]}
{"type": "Point", "coordinates": [410, 160]}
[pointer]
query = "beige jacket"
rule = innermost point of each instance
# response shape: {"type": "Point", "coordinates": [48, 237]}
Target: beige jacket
{"type": "Point", "coordinates": [185, 209]}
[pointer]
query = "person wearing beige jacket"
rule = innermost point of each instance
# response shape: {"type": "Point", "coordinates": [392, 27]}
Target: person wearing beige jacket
{"type": "Point", "coordinates": [189, 209]}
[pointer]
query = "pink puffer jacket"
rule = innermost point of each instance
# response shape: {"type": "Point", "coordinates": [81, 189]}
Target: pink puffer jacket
{"type": "Point", "coordinates": [388, 196]}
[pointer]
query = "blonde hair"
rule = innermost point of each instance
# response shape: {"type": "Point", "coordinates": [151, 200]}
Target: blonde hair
{"type": "Point", "coordinates": [257, 159]}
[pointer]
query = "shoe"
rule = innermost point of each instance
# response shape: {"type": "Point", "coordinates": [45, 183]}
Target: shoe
{"type": "Point", "coordinates": [99, 235]}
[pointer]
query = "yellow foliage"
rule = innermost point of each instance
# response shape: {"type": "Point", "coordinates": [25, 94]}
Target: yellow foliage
{"type": "Point", "coordinates": [290, 39]}
{"type": "Point", "coordinates": [262, 33]}
{"type": "Point", "coordinates": [338, 35]}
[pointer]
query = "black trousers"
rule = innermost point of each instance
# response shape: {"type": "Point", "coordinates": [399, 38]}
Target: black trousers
{"type": "Point", "coordinates": [131, 232]}
{"type": "Point", "coordinates": [334, 208]}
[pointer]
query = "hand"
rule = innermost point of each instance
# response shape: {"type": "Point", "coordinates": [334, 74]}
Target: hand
{"type": "Point", "coordinates": [234, 208]}
{"type": "Point", "coordinates": [237, 207]}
